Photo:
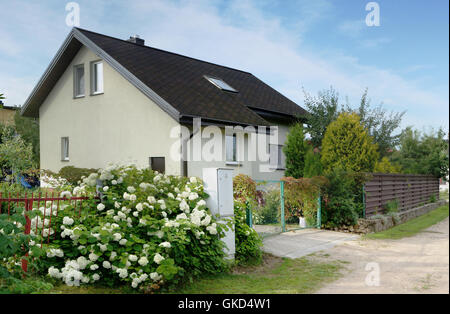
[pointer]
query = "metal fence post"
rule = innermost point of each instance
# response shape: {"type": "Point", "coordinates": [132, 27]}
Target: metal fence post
{"type": "Point", "coordinates": [28, 207]}
{"type": "Point", "coordinates": [364, 201]}
{"type": "Point", "coordinates": [319, 211]}
{"type": "Point", "coordinates": [248, 213]}
{"type": "Point", "coordinates": [283, 224]}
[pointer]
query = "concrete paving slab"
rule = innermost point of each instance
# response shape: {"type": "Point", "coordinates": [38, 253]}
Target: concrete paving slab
{"type": "Point", "coordinates": [299, 243]}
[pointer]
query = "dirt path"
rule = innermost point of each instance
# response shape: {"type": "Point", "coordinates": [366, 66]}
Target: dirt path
{"type": "Point", "coordinates": [419, 264]}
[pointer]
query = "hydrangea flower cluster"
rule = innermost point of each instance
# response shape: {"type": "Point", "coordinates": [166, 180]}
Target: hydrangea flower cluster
{"type": "Point", "coordinates": [147, 230]}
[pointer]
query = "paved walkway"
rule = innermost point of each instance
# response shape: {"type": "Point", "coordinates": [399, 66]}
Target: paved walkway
{"type": "Point", "coordinates": [299, 243]}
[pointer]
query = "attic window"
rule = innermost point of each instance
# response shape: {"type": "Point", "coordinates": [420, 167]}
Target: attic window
{"type": "Point", "coordinates": [219, 83]}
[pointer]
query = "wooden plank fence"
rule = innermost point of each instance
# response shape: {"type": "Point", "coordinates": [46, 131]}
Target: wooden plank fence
{"type": "Point", "coordinates": [408, 189]}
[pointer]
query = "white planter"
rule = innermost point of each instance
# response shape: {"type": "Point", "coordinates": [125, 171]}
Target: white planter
{"type": "Point", "coordinates": [302, 222]}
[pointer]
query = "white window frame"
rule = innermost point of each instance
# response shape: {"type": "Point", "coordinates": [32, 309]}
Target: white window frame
{"type": "Point", "coordinates": [221, 84]}
{"type": "Point", "coordinates": [97, 78]}
{"type": "Point", "coordinates": [65, 148]}
{"type": "Point", "coordinates": [77, 93]}
{"type": "Point", "coordinates": [278, 149]}
{"type": "Point", "coordinates": [231, 138]}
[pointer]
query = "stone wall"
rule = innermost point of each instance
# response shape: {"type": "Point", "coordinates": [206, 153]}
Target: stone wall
{"type": "Point", "coordinates": [386, 222]}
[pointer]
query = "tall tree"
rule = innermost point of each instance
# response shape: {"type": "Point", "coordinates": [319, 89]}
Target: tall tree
{"type": "Point", "coordinates": [422, 153]}
{"type": "Point", "coordinates": [28, 129]}
{"type": "Point", "coordinates": [295, 149]}
{"type": "Point", "coordinates": [348, 146]}
{"type": "Point", "coordinates": [380, 124]}
{"type": "Point", "coordinates": [322, 110]}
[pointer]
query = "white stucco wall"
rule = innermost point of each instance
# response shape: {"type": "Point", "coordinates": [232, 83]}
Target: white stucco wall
{"type": "Point", "coordinates": [245, 166]}
{"type": "Point", "coordinates": [121, 125]}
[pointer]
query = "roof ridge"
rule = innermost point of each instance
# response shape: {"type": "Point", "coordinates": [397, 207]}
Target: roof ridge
{"type": "Point", "coordinates": [165, 51]}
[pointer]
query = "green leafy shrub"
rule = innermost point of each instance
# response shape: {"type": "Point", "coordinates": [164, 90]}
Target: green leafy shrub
{"type": "Point", "coordinates": [433, 198]}
{"type": "Point", "coordinates": [14, 245]}
{"type": "Point", "coordinates": [313, 165]}
{"type": "Point", "coordinates": [385, 166]}
{"type": "Point", "coordinates": [15, 153]}
{"type": "Point", "coordinates": [342, 203]}
{"type": "Point", "coordinates": [73, 174]}
{"type": "Point", "coordinates": [150, 231]}
{"type": "Point", "coordinates": [391, 206]}
{"type": "Point", "coordinates": [269, 211]}
{"type": "Point", "coordinates": [244, 188]}
{"type": "Point", "coordinates": [301, 198]}
{"type": "Point", "coordinates": [348, 146]}
{"type": "Point", "coordinates": [248, 242]}
{"type": "Point", "coordinates": [295, 149]}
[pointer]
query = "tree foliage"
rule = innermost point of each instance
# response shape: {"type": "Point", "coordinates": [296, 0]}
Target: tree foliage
{"type": "Point", "coordinates": [347, 145]}
{"type": "Point", "coordinates": [313, 165]}
{"type": "Point", "coordinates": [28, 128]}
{"type": "Point", "coordinates": [322, 110]}
{"type": "Point", "coordinates": [422, 153]}
{"type": "Point", "coordinates": [295, 149]}
{"type": "Point", "coordinates": [15, 153]}
{"type": "Point", "coordinates": [385, 166]}
{"type": "Point", "coordinates": [380, 124]}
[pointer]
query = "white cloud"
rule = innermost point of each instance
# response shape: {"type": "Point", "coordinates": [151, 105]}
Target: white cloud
{"type": "Point", "coordinates": [240, 34]}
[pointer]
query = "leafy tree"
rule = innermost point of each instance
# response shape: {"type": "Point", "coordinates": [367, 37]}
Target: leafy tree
{"type": "Point", "coordinates": [348, 146]}
{"type": "Point", "coordinates": [422, 153]}
{"type": "Point", "coordinates": [15, 153]}
{"type": "Point", "coordinates": [295, 149]}
{"type": "Point", "coordinates": [322, 110]}
{"type": "Point", "coordinates": [28, 128]}
{"type": "Point", "coordinates": [385, 166]}
{"type": "Point", "coordinates": [379, 124]}
{"type": "Point", "coordinates": [313, 166]}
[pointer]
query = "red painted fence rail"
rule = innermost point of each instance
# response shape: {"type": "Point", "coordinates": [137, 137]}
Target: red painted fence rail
{"type": "Point", "coordinates": [49, 201]}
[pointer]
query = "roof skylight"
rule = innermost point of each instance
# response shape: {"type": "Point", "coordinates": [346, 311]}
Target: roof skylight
{"type": "Point", "coordinates": [219, 83]}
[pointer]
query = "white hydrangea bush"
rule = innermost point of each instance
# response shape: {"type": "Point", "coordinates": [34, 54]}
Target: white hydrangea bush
{"type": "Point", "coordinates": [148, 230]}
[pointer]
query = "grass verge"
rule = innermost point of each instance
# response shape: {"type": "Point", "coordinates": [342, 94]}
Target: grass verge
{"type": "Point", "coordinates": [413, 226]}
{"type": "Point", "coordinates": [274, 275]}
{"type": "Point", "coordinates": [288, 276]}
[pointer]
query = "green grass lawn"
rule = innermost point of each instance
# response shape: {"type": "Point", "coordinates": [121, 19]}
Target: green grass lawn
{"type": "Point", "coordinates": [302, 275]}
{"type": "Point", "coordinates": [413, 226]}
{"type": "Point", "coordinates": [275, 275]}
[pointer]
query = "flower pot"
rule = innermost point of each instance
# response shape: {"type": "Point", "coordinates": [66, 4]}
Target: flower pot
{"type": "Point", "coordinates": [302, 222]}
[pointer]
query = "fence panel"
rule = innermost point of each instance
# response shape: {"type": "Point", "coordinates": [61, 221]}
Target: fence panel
{"type": "Point", "coordinates": [409, 190]}
{"type": "Point", "coordinates": [49, 206]}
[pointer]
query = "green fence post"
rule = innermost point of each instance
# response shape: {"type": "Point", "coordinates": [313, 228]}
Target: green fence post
{"type": "Point", "coordinates": [364, 201]}
{"type": "Point", "coordinates": [283, 225]}
{"type": "Point", "coordinates": [319, 212]}
{"type": "Point", "coordinates": [248, 213]}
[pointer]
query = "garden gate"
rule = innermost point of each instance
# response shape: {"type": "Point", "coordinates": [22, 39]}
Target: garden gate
{"type": "Point", "coordinates": [273, 213]}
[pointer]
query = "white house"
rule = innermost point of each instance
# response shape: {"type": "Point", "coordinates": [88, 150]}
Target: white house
{"type": "Point", "coordinates": [104, 99]}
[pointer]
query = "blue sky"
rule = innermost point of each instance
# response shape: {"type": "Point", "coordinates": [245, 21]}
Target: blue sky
{"type": "Point", "coordinates": [288, 44]}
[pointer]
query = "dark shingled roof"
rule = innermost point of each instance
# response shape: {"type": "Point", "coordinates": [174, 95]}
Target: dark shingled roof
{"type": "Point", "coordinates": [180, 81]}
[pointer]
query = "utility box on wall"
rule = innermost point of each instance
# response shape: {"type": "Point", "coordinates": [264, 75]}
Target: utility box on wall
{"type": "Point", "coordinates": [218, 183]}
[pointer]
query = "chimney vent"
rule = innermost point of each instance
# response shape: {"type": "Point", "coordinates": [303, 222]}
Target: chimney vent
{"type": "Point", "coordinates": [136, 40]}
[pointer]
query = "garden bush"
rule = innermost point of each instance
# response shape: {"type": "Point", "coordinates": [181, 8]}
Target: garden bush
{"type": "Point", "coordinates": [72, 174]}
{"type": "Point", "coordinates": [244, 189]}
{"type": "Point", "coordinates": [269, 211]}
{"type": "Point", "coordinates": [150, 230]}
{"type": "Point", "coordinates": [301, 198]}
{"type": "Point", "coordinates": [14, 244]}
{"type": "Point", "coordinates": [342, 203]}
{"type": "Point", "coordinates": [248, 242]}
